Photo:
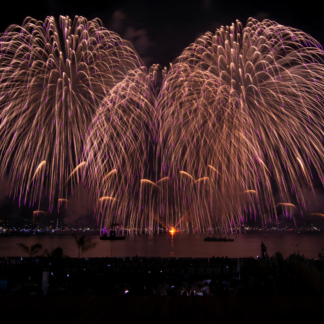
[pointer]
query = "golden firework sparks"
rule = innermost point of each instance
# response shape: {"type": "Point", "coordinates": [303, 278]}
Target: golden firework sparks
{"type": "Point", "coordinates": [201, 179]}
{"type": "Point", "coordinates": [211, 167]}
{"type": "Point", "coordinates": [54, 77]}
{"type": "Point", "coordinates": [249, 191]}
{"type": "Point", "coordinates": [187, 174]}
{"type": "Point", "coordinates": [43, 163]}
{"type": "Point", "coordinates": [37, 212]}
{"type": "Point", "coordinates": [239, 100]}
{"type": "Point", "coordinates": [318, 214]}
{"type": "Point", "coordinates": [150, 182]}
{"type": "Point", "coordinates": [245, 101]}
{"type": "Point", "coordinates": [163, 179]}
{"type": "Point", "coordinates": [106, 198]}
{"type": "Point", "coordinates": [114, 171]}
{"type": "Point", "coordinates": [82, 164]}
{"type": "Point", "coordinates": [286, 205]}
{"type": "Point", "coordinates": [302, 165]}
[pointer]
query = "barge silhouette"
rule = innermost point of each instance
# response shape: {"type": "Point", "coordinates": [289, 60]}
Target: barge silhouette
{"type": "Point", "coordinates": [215, 239]}
{"type": "Point", "coordinates": [112, 237]}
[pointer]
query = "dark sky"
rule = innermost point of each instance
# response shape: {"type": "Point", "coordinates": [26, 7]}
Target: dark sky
{"type": "Point", "coordinates": [160, 30]}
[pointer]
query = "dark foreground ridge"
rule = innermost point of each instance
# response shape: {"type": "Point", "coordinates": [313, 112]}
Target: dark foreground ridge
{"type": "Point", "coordinates": [141, 276]}
{"type": "Point", "coordinates": [155, 309]}
{"type": "Point", "coordinates": [156, 290]}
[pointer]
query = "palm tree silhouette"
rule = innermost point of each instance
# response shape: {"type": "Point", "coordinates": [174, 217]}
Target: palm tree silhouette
{"type": "Point", "coordinates": [30, 250]}
{"type": "Point", "coordinates": [83, 244]}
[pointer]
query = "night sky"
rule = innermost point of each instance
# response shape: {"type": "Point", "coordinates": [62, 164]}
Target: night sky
{"type": "Point", "coordinates": [160, 30]}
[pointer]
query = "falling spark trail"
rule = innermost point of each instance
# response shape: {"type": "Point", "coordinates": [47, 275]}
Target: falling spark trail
{"type": "Point", "coordinates": [109, 174]}
{"type": "Point", "coordinates": [75, 170]}
{"type": "Point", "coordinates": [150, 182]}
{"type": "Point", "coordinates": [286, 204]}
{"type": "Point", "coordinates": [213, 169]}
{"type": "Point", "coordinates": [201, 179]}
{"type": "Point", "coordinates": [107, 198]}
{"type": "Point", "coordinates": [163, 179]}
{"type": "Point", "coordinates": [318, 214]}
{"type": "Point", "coordinates": [38, 168]}
{"type": "Point", "coordinates": [187, 174]}
{"type": "Point", "coordinates": [249, 191]}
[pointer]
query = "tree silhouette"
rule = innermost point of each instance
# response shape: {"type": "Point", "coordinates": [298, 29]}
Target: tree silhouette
{"type": "Point", "coordinates": [56, 253]}
{"type": "Point", "coordinates": [30, 250]}
{"type": "Point", "coordinates": [83, 244]}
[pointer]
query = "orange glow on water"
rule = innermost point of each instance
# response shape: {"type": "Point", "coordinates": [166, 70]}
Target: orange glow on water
{"type": "Point", "coordinates": [172, 230]}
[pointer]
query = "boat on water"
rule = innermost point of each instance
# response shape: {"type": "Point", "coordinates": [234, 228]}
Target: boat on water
{"type": "Point", "coordinates": [112, 237]}
{"type": "Point", "coordinates": [215, 239]}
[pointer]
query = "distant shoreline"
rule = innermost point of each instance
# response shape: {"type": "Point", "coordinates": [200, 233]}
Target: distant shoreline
{"type": "Point", "coordinates": [48, 234]}
{"type": "Point", "coordinates": [97, 233]}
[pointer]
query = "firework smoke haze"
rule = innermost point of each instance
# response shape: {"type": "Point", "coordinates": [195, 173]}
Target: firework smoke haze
{"type": "Point", "coordinates": [248, 102]}
{"type": "Point", "coordinates": [52, 80]}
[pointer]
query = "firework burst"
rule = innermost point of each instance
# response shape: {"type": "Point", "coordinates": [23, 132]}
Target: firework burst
{"type": "Point", "coordinates": [237, 116]}
{"type": "Point", "coordinates": [243, 107]}
{"type": "Point", "coordinates": [118, 146]}
{"type": "Point", "coordinates": [52, 79]}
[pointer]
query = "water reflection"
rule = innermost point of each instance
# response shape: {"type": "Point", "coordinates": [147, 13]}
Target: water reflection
{"type": "Point", "coordinates": [172, 246]}
{"type": "Point", "coordinates": [177, 245]}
